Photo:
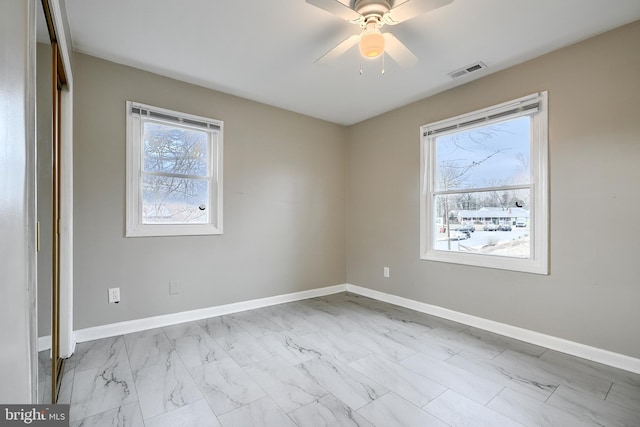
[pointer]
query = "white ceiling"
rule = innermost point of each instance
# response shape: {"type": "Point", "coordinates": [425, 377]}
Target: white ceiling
{"type": "Point", "coordinates": [264, 50]}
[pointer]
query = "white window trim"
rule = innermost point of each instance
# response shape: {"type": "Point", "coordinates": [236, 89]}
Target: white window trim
{"type": "Point", "coordinates": [134, 225]}
{"type": "Point", "coordinates": [539, 260]}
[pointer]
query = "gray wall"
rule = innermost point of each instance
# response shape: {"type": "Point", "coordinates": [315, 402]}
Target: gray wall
{"type": "Point", "coordinates": [17, 202]}
{"type": "Point", "coordinates": [284, 203]}
{"type": "Point", "coordinates": [592, 295]}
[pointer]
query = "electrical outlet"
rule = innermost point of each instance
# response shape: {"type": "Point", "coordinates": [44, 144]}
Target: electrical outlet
{"type": "Point", "coordinates": [385, 272]}
{"type": "Point", "coordinates": [114, 295]}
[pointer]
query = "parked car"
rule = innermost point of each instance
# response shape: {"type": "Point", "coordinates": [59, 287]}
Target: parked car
{"type": "Point", "coordinates": [458, 235]}
{"type": "Point", "coordinates": [467, 228]}
{"type": "Point", "coordinates": [521, 223]}
{"type": "Point", "coordinates": [465, 232]}
{"type": "Point", "coordinates": [490, 227]}
{"type": "Point", "coordinates": [504, 227]}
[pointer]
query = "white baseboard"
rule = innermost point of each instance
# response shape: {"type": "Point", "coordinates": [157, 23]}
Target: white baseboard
{"type": "Point", "coordinates": [120, 328]}
{"type": "Point", "coordinates": [44, 343]}
{"type": "Point", "coordinates": [595, 354]}
{"type": "Point", "coordinates": [559, 344]}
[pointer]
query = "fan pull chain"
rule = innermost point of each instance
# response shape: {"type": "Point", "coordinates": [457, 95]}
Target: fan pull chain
{"type": "Point", "coordinates": [381, 70]}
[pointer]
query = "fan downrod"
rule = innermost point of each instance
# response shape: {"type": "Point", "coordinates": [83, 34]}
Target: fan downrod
{"type": "Point", "coordinates": [368, 8]}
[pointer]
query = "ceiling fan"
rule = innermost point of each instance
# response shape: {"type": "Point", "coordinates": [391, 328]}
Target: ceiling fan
{"type": "Point", "coordinates": [371, 15]}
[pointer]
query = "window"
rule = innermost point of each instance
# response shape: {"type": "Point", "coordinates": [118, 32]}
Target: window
{"type": "Point", "coordinates": [484, 187]}
{"type": "Point", "coordinates": [174, 173]}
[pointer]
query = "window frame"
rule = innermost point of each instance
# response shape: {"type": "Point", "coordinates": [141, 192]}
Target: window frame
{"type": "Point", "coordinates": [135, 164]}
{"type": "Point", "coordinates": [538, 261]}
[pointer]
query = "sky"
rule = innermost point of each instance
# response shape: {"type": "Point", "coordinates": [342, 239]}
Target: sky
{"type": "Point", "coordinates": [505, 143]}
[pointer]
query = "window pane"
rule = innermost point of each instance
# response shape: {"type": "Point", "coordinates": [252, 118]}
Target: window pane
{"type": "Point", "coordinates": [490, 223]}
{"type": "Point", "coordinates": [169, 200]}
{"type": "Point", "coordinates": [173, 149]}
{"type": "Point", "coordinates": [486, 156]}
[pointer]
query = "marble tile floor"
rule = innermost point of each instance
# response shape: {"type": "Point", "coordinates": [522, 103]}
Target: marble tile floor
{"type": "Point", "coordinates": [339, 360]}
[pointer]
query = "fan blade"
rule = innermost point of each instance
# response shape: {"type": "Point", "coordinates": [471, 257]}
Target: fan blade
{"type": "Point", "coordinates": [337, 8]}
{"type": "Point", "coordinates": [412, 8]}
{"type": "Point", "coordinates": [341, 48]}
{"type": "Point", "coordinates": [398, 51]}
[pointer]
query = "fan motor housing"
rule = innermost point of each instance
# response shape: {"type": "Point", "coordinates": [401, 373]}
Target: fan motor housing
{"type": "Point", "coordinates": [372, 7]}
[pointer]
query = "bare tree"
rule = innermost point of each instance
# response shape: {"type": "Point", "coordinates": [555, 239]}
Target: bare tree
{"type": "Point", "coordinates": [173, 158]}
{"type": "Point", "coordinates": [452, 174]}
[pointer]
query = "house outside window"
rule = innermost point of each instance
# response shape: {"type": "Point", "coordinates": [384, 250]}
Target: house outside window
{"type": "Point", "coordinates": [484, 187]}
{"type": "Point", "coordinates": [174, 173]}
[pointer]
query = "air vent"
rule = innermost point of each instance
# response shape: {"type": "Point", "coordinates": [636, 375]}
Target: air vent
{"type": "Point", "coordinates": [466, 70]}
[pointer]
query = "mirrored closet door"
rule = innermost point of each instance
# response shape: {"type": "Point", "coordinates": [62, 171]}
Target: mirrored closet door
{"type": "Point", "coordinates": [50, 81]}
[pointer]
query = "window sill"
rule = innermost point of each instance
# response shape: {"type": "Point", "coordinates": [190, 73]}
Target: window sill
{"type": "Point", "coordinates": [163, 230]}
{"type": "Point", "coordinates": [527, 265]}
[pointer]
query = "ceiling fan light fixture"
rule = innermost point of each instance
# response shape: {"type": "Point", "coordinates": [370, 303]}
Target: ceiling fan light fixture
{"type": "Point", "coordinates": [371, 15]}
{"type": "Point", "coordinates": [371, 41]}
